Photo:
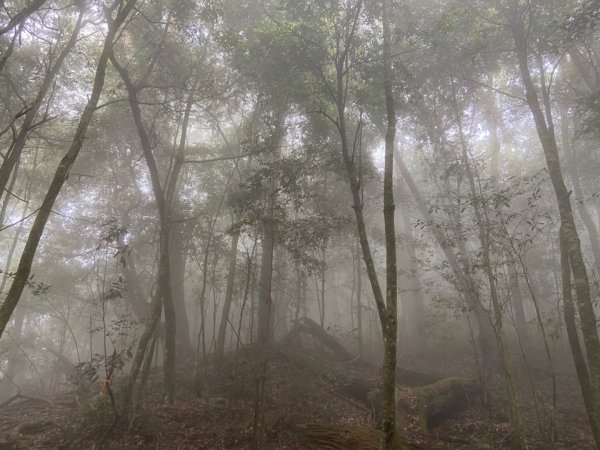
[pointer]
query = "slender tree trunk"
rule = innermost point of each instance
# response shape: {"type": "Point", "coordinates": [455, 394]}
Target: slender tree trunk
{"type": "Point", "coordinates": [492, 119]}
{"type": "Point", "coordinates": [178, 256]}
{"type": "Point", "coordinates": [6, 199]}
{"type": "Point", "coordinates": [570, 243]}
{"type": "Point", "coordinates": [322, 297]}
{"type": "Point", "coordinates": [483, 224]}
{"type": "Point", "coordinates": [265, 299]}
{"type": "Point", "coordinates": [249, 276]}
{"type": "Point", "coordinates": [62, 171]}
{"type": "Point", "coordinates": [142, 348]}
{"type": "Point", "coordinates": [265, 294]}
{"type": "Point", "coordinates": [462, 280]}
{"type": "Point", "coordinates": [359, 319]}
{"type": "Point", "coordinates": [135, 293]}
{"type": "Point", "coordinates": [516, 297]}
{"type": "Point", "coordinates": [15, 345]}
{"type": "Point", "coordinates": [164, 264]}
{"type": "Point", "coordinates": [570, 152]}
{"type": "Point", "coordinates": [178, 263]}
{"type": "Point", "coordinates": [233, 251]}
{"type": "Point", "coordinates": [7, 53]}
{"type": "Point", "coordinates": [391, 327]}
{"type": "Point", "coordinates": [14, 243]}
{"type": "Point", "coordinates": [412, 298]}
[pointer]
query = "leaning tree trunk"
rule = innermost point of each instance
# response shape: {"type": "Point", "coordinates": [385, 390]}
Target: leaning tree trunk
{"type": "Point", "coordinates": [14, 154]}
{"type": "Point", "coordinates": [62, 171]}
{"type": "Point", "coordinates": [463, 282]}
{"type": "Point", "coordinates": [483, 228]}
{"type": "Point", "coordinates": [164, 265]}
{"type": "Point", "coordinates": [570, 152]}
{"type": "Point", "coordinates": [588, 374]}
{"type": "Point", "coordinates": [492, 120]}
{"type": "Point", "coordinates": [22, 16]}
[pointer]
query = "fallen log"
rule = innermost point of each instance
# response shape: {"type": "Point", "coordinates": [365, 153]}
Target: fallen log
{"type": "Point", "coordinates": [445, 399]}
{"type": "Point", "coordinates": [437, 398]}
{"type": "Point", "coordinates": [311, 328]}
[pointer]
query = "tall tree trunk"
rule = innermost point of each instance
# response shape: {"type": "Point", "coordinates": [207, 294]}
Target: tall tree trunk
{"type": "Point", "coordinates": [15, 242]}
{"type": "Point", "coordinates": [570, 151]}
{"type": "Point", "coordinates": [6, 199]}
{"type": "Point", "coordinates": [493, 118]}
{"type": "Point", "coordinates": [359, 318]}
{"type": "Point", "coordinates": [233, 252]}
{"type": "Point", "coordinates": [390, 334]}
{"type": "Point", "coordinates": [164, 265]}
{"type": "Point", "coordinates": [15, 346]}
{"type": "Point", "coordinates": [178, 263]}
{"type": "Point", "coordinates": [178, 256]}
{"type": "Point", "coordinates": [412, 324]}
{"type": "Point", "coordinates": [570, 243]}
{"type": "Point", "coordinates": [265, 299]}
{"type": "Point", "coordinates": [516, 297]}
{"type": "Point", "coordinates": [62, 171]}
{"type": "Point", "coordinates": [323, 274]}
{"type": "Point", "coordinates": [135, 293]}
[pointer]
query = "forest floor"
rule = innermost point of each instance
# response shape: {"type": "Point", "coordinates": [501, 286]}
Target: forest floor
{"type": "Point", "coordinates": [297, 392]}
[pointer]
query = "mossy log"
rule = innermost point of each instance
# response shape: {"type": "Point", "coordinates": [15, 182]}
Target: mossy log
{"type": "Point", "coordinates": [445, 399]}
